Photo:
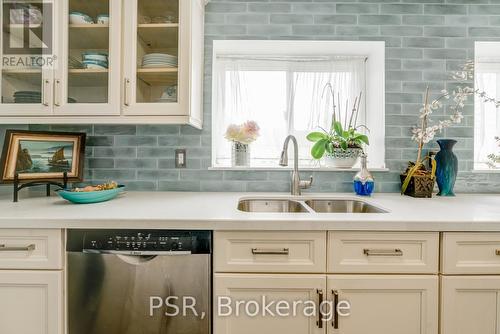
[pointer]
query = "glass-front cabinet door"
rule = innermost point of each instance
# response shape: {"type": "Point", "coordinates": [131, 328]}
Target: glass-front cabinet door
{"type": "Point", "coordinates": [154, 64]}
{"type": "Point", "coordinates": [88, 80]}
{"type": "Point", "coordinates": [28, 57]}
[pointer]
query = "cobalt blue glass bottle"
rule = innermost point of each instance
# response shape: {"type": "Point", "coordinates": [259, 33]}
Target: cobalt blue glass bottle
{"type": "Point", "coordinates": [363, 180]}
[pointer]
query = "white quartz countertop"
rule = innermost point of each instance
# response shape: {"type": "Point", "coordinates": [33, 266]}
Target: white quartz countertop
{"type": "Point", "coordinates": [217, 211]}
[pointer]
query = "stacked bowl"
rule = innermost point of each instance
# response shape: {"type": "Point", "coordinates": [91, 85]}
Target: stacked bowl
{"type": "Point", "coordinates": [158, 60]}
{"type": "Point", "coordinates": [95, 60]}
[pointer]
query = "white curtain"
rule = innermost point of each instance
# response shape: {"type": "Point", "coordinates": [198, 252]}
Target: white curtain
{"type": "Point", "coordinates": [284, 96]}
{"type": "Point", "coordinates": [486, 115]}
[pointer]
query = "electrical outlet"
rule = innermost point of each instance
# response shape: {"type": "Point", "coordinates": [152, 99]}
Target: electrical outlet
{"type": "Point", "coordinates": [180, 158]}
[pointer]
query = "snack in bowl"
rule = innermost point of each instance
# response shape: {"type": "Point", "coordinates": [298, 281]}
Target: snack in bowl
{"type": "Point", "coordinates": [92, 193]}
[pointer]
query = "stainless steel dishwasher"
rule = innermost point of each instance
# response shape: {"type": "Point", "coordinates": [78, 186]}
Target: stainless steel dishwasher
{"type": "Point", "coordinates": [127, 281]}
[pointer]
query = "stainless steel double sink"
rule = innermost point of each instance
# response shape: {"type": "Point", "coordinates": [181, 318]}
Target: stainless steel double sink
{"type": "Point", "coordinates": [318, 205]}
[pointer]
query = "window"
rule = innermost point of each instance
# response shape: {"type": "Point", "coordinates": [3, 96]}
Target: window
{"type": "Point", "coordinates": [486, 114]}
{"type": "Point", "coordinates": [281, 86]}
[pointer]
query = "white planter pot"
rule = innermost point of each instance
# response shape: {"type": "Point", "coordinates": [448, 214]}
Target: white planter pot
{"type": "Point", "coordinates": [342, 159]}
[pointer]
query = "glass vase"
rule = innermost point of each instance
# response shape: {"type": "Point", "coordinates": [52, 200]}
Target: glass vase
{"type": "Point", "coordinates": [240, 155]}
{"type": "Point", "coordinates": [447, 167]}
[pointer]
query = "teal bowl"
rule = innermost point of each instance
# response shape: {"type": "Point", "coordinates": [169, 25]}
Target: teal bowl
{"type": "Point", "coordinates": [90, 196]}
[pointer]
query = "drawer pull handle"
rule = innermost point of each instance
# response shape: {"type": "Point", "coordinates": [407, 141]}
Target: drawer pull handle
{"type": "Point", "coordinates": [383, 252]}
{"type": "Point", "coordinates": [263, 251]}
{"type": "Point", "coordinates": [29, 248]}
{"type": "Point", "coordinates": [497, 252]}
{"type": "Point", "coordinates": [335, 322]}
{"type": "Point", "coordinates": [319, 323]}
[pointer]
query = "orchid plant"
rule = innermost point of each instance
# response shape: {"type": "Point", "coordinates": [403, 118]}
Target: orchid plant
{"type": "Point", "coordinates": [343, 134]}
{"type": "Point", "coordinates": [245, 133]}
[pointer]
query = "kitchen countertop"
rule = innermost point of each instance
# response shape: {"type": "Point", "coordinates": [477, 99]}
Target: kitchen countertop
{"type": "Point", "coordinates": [217, 211]}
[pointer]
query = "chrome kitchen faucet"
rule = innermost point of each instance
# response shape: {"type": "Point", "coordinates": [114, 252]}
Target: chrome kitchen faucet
{"type": "Point", "coordinates": [296, 184]}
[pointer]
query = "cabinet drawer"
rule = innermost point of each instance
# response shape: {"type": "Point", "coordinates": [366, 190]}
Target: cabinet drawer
{"type": "Point", "coordinates": [383, 252]}
{"type": "Point", "coordinates": [471, 253]}
{"type": "Point", "coordinates": [270, 251]}
{"type": "Point", "coordinates": [30, 249]}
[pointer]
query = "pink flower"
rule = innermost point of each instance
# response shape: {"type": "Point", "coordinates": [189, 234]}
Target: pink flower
{"type": "Point", "coordinates": [245, 133]}
{"type": "Point", "coordinates": [251, 129]}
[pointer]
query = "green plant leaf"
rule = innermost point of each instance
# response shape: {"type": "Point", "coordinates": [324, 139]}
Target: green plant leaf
{"type": "Point", "coordinates": [363, 138]}
{"type": "Point", "coordinates": [337, 126]}
{"type": "Point", "coordinates": [343, 145]}
{"type": "Point", "coordinates": [316, 136]}
{"type": "Point", "coordinates": [329, 147]}
{"type": "Point", "coordinates": [319, 148]}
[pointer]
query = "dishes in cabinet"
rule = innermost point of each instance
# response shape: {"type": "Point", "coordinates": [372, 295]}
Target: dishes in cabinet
{"type": "Point", "coordinates": [159, 60]}
{"type": "Point", "coordinates": [80, 18]}
{"type": "Point", "coordinates": [25, 96]}
{"type": "Point", "coordinates": [95, 60]}
{"type": "Point", "coordinates": [26, 13]}
{"type": "Point", "coordinates": [163, 19]}
{"type": "Point", "coordinates": [102, 19]}
{"type": "Point", "coordinates": [169, 95]}
{"type": "Point", "coordinates": [142, 19]}
{"type": "Point", "coordinates": [95, 64]}
{"type": "Point", "coordinates": [92, 55]}
{"type": "Point", "coordinates": [74, 63]}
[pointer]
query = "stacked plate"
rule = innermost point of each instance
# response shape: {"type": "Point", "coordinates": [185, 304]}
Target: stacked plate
{"type": "Point", "coordinates": [26, 96]}
{"type": "Point", "coordinates": [156, 60]}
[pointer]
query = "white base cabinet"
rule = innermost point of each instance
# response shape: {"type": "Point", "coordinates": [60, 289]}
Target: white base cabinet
{"type": "Point", "coordinates": [381, 304]}
{"type": "Point", "coordinates": [31, 302]}
{"type": "Point", "coordinates": [283, 287]}
{"type": "Point", "coordinates": [470, 305]}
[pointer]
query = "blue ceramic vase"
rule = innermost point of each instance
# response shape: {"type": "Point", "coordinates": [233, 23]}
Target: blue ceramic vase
{"type": "Point", "coordinates": [447, 167]}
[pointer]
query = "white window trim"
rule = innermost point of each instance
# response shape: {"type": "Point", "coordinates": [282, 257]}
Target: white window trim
{"type": "Point", "coordinates": [374, 51]}
{"type": "Point", "coordinates": [483, 51]}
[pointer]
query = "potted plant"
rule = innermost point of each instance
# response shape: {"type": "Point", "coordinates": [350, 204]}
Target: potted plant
{"type": "Point", "coordinates": [342, 145]}
{"type": "Point", "coordinates": [418, 180]}
{"type": "Point", "coordinates": [241, 136]}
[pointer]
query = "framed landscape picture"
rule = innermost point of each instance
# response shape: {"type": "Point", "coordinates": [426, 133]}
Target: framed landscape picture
{"type": "Point", "coordinates": [41, 155]}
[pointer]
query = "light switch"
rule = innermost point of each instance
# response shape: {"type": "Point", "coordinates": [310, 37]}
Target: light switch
{"type": "Point", "coordinates": [180, 158]}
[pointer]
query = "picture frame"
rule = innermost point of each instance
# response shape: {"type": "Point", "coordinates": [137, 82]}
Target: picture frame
{"type": "Point", "coordinates": [42, 156]}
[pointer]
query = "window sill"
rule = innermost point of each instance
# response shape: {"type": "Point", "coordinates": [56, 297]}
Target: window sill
{"type": "Point", "coordinates": [485, 171]}
{"type": "Point", "coordinates": [310, 169]}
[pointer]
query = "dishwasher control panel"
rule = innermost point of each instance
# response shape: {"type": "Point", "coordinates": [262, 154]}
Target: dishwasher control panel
{"type": "Point", "coordinates": [105, 241]}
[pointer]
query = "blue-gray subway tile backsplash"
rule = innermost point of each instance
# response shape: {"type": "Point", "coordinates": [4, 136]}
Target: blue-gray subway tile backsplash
{"type": "Point", "coordinates": [425, 40]}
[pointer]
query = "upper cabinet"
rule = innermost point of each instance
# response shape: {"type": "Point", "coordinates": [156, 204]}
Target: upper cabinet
{"type": "Point", "coordinates": [27, 50]}
{"type": "Point", "coordinates": [103, 61]}
{"type": "Point", "coordinates": [88, 73]}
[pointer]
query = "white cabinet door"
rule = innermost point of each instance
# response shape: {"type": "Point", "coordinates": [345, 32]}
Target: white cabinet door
{"type": "Point", "coordinates": [284, 287]}
{"type": "Point", "coordinates": [28, 46]}
{"type": "Point", "coordinates": [385, 304]}
{"type": "Point", "coordinates": [156, 57]}
{"type": "Point", "coordinates": [470, 304]}
{"type": "Point", "coordinates": [87, 80]}
{"type": "Point", "coordinates": [31, 302]}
